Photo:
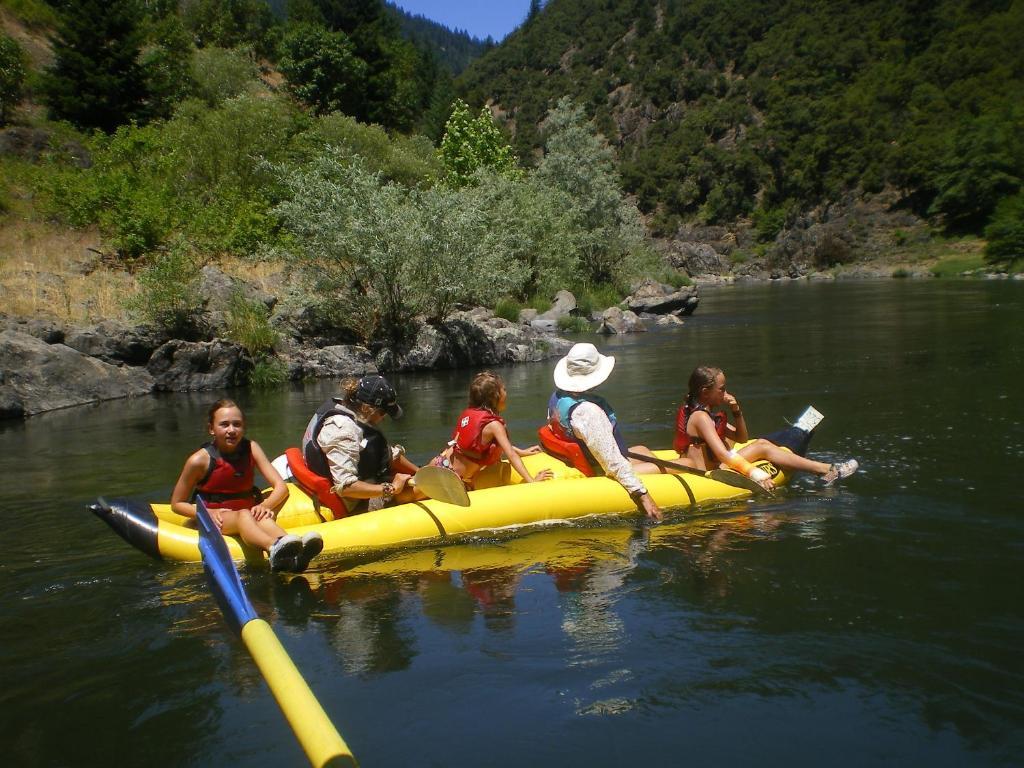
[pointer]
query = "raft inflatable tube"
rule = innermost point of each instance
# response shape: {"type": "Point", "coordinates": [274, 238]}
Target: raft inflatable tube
{"type": "Point", "coordinates": [501, 501]}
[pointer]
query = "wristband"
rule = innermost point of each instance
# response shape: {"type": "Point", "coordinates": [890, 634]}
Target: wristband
{"type": "Point", "coordinates": [635, 495]}
{"type": "Point", "coordinates": [387, 491]}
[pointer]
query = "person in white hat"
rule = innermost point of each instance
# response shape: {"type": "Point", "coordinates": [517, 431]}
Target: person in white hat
{"type": "Point", "coordinates": [582, 427]}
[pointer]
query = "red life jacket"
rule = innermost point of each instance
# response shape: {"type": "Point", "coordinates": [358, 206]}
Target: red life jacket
{"type": "Point", "coordinates": [317, 487]}
{"type": "Point", "coordinates": [468, 434]}
{"type": "Point", "coordinates": [554, 441]}
{"type": "Point", "coordinates": [683, 441]}
{"type": "Point", "coordinates": [229, 483]}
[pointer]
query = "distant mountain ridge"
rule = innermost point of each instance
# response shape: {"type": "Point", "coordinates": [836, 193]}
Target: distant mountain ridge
{"type": "Point", "coordinates": [724, 109]}
{"type": "Point", "coordinates": [453, 49]}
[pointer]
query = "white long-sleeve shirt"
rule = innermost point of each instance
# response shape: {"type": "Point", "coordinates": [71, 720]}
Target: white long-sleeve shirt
{"type": "Point", "coordinates": [590, 424]}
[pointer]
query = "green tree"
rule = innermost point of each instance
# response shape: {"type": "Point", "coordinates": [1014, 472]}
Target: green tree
{"type": "Point", "coordinates": [166, 64]}
{"type": "Point", "coordinates": [472, 143]}
{"type": "Point", "coordinates": [322, 69]}
{"type": "Point", "coordinates": [96, 80]}
{"type": "Point", "coordinates": [984, 163]}
{"type": "Point", "coordinates": [12, 75]}
{"type": "Point", "coordinates": [1005, 233]}
{"type": "Point", "coordinates": [219, 74]}
{"type": "Point", "coordinates": [579, 163]}
{"type": "Point", "coordinates": [229, 23]}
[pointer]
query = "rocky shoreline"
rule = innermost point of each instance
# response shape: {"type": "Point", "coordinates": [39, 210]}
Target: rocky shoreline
{"type": "Point", "coordinates": [45, 365]}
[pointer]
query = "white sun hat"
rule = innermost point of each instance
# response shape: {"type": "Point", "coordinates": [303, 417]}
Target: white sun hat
{"type": "Point", "coordinates": [582, 369]}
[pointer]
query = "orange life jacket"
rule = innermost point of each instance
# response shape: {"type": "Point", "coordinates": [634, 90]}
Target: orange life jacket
{"type": "Point", "coordinates": [317, 487]}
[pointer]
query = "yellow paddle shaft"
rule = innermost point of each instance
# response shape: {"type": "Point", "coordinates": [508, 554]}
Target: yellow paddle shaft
{"type": "Point", "coordinates": [319, 738]}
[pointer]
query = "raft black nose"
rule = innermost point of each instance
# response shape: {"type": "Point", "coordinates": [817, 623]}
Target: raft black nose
{"type": "Point", "coordinates": [133, 521]}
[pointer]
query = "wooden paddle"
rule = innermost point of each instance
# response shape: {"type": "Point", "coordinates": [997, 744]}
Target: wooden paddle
{"type": "Point", "coordinates": [441, 484]}
{"type": "Point", "coordinates": [320, 740]}
{"type": "Point", "coordinates": [724, 476]}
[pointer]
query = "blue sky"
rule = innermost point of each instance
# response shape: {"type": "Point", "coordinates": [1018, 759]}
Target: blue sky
{"type": "Point", "coordinates": [479, 18]}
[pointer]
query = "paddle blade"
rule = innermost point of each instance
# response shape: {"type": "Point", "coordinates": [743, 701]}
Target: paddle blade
{"type": "Point", "coordinates": [442, 484]}
{"type": "Point", "coordinates": [736, 480]}
{"type": "Point", "coordinates": [221, 573]}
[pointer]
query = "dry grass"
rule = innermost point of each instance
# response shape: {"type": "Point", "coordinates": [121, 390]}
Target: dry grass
{"type": "Point", "coordinates": [48, 271]}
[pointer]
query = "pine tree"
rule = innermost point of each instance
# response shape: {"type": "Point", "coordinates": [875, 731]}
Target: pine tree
{"type": "Point", "coordinates": [96, 80]}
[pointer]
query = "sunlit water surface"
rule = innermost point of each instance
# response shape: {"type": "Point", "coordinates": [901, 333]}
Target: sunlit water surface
{"type": "Point", "coordinates": [880, 622]}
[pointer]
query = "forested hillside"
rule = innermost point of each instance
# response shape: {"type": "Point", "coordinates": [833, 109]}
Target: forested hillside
{"type": "Point", "coordinates": [453, 49]}
{"type": "Point", "coordinates": [722, 109]}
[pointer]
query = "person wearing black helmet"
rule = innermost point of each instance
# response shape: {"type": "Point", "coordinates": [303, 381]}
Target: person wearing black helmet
{"type": "Point", "coordinates": [343, 442]}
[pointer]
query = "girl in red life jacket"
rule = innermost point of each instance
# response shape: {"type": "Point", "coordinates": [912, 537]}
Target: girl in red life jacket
{"type": "Point", "coordinates": [705, 438]}
{"type": "Point", "coordinates": [223, 473]}
{"type": "Point", "coordinates": [480, 436]}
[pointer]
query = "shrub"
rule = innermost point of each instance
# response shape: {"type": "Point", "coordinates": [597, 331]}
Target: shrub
{"type": "Point", "coordinates": [169, 295]}
{"type": "Point", "coordinates": [12, 75]}
{"type": "Point", "coordinates": [248, 323]}
{"type": "Point", "coordinates": [220, 74]}
{"type": "Point", "coordinates": [508, 309]}
{"type": "Point", "coordinates": [958, 266]}
{"type": "Point", "coordinates": [376, 255]}
{"type": "Point", "coordinates": [573, 324]}
{"type": "Point", "coordinates": [1005, 232]}
{"type": "Point", "coordinates": [901, 273]}
{"type": "Point", "coordinates": [411, 161]}
{"type": "Point", "coordinates": [675, 278]}
{"type": "Point", "coordinates": [268, 371]}
{"type": "Point", "coordinates": [598, 298]}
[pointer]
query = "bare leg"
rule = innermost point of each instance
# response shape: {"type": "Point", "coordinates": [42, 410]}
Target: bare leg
{"type": "Point", "coordinates": [764, 449]}
{"type": "Point", "coordinates": [260, 534]}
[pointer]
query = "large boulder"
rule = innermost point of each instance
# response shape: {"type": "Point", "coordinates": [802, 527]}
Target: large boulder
{"type": "Point", "coordinates": [49, 331]}
{"type": "Point", "coordinates": [654, 298]}
{"type": "Point", "coordinates": [192, 366]}
{"type": "Point", "coordinates": [563, 305]}
{"type": "Point", "coordinates": [697, 258]}
{"type": "Point", "coordinates": [473, 338]}
{"type": "Point", "coordinates": [36, 377]}
{"type": "Point", "coordinates": [330, 362]}
{"type": "Point", "coordinates": [116, 343]}
{"type": "Point", "coordinates": [218, 290]}
{"type": "Point", "coordinates": [616, 320]}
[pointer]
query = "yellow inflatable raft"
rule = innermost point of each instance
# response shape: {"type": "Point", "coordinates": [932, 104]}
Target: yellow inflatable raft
{"type": "Point", "coordinates": [500, 502]}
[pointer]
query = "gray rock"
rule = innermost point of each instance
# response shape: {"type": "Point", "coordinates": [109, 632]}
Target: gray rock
{"type": "Point", "coordinates": [697, 258]}
{"type": "Point", "coordinates": [49, 331]}
{"type": "Point", "coordinates": [116, 343]}
{"type": "Point", "coordinates": [191, 366]}
{"type": "Point", "coordinates": [36, 377]}
{"type": "Point", "coordinates": [655, 298]}
{"type": "Point", "coordinates": [468, 339]}
{"type": "Point", "coordinates": [667, 320]}
{"type": "Point", "coordinates": [615, 320]}
{"type": "Point", "coordinates": [217, 291]}
{"type": "Point", "coordinates": [331, 362]}
{"type": "Point", "coordinates": [563, 305]}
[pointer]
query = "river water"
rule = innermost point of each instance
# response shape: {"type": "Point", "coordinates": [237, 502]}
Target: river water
{"type": "Point", "coordinates": [880, 622]}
